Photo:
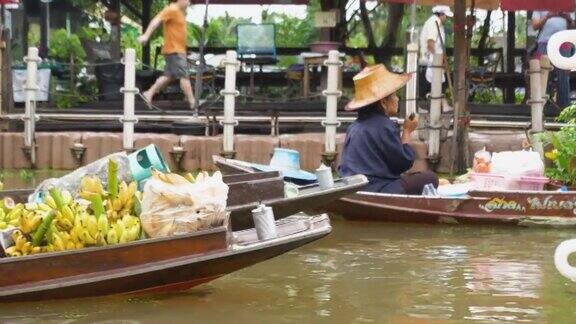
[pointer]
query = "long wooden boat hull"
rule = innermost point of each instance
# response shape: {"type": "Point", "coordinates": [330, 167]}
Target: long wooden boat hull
{"type": "Point", "coordinates": [153, 265]}
{"type": "Point", "coordinates": [487, 207]}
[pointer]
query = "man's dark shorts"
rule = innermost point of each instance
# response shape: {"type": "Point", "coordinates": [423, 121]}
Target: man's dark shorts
{"type": "Point", "coordinates": [176, 66]}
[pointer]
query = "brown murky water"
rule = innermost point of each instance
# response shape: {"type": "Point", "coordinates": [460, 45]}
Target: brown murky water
{"type": "Point", "coordinates": [362, 273]}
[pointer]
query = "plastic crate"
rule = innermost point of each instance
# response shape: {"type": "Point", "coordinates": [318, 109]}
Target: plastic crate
{"type": "Point", "coordinates": [488, 181]}
{"type": "Point", "coordinates": [526, 183]}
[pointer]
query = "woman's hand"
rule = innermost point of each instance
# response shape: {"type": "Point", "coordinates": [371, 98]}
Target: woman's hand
{"type": "Point", "coordinates": [411, 123]}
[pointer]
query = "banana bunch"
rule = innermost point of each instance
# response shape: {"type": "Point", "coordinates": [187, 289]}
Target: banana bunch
{"type": "Point", "coordinates": [123, 204]}
{"type": "Point", "coordinates": [101, 217]}
{"type": "Point", "coordinates": [10, 213]}
{"type": "Point", "coordinates": [22, 246]}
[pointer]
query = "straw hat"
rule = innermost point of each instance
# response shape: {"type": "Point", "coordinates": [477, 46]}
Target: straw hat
{"type": "Point", "coordinates": [375, 83]}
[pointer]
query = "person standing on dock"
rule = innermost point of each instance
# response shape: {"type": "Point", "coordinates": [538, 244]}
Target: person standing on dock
{"type": "Point", "coordinates": [173, 20]}
{"type": "Point", "coordinates": [432, 38]}
{"type": "Point", "coordinates": [548, 23]}
{"type": "Point", "coordinates": [374, 145]}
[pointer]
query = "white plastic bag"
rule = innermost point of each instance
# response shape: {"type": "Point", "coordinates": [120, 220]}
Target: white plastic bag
{"type": "Point", "coordinates": [517, 163]}
{"type": "Point", "coordinates": [172, 205]}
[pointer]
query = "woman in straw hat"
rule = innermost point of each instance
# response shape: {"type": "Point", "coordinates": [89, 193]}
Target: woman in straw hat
{"type": "Point", "coordinates": [374, 145]}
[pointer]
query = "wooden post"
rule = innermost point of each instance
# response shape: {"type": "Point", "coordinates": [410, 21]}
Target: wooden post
{"type": "Point", "coordinates": [435, 108]}
{"type": "Point", "coordinates": [460, 86]}
{"type": "Point", "coordinates": [536, 104]}
{"type": "Point", "coordinates": [510, 61]}
{"type": "Point", "coordinates": [230, 93]}
{"type": "Point", "coordinates": [332, 94]}
{"type": "Point", "coordinates": [129, 90]}
{"type": "Point", "coordinates": [545, 68]}
{"type": "Point", "coordinates": [146, 8]}
{"type": "Point", "coordinates": [31, 89]}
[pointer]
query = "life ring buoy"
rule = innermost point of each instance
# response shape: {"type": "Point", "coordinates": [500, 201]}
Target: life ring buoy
{"type": "Point", "coordinates": [553, 49]}
{"type": "Point", "coordinates": [561, 255]}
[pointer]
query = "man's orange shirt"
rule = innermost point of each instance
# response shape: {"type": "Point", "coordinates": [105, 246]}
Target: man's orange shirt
{"type": "Point", "coordinates": [174, 27]}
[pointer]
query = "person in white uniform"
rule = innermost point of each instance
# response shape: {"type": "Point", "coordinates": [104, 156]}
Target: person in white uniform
{"type": "Point", "coordinates": [431, 38]}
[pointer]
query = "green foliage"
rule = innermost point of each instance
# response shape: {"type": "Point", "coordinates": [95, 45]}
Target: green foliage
{"type": "Point", "coordinates": [62, 47]}
{"type": "Point", "coordinates": [563, 155]}
{"type": "Point", "coordinates": [26, 175]}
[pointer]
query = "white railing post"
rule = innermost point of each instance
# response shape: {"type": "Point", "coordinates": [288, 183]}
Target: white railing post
{"type": "Point", "coordinates": [31, 89]}
{"type": "Point", "coordinates": [129, 90]}
{"type": "Point", "coordinates": [230, 93]}
{"type": "Point", "coordinates": [332, 93]}
{"type": "Point", "coordinates": [537, 104]}
{"type": "Point", "coordinates": [545, 68]}
{"type": "Point", "coordinates": [411, 67]}
{"type": "Point", "coordinates": [436, 97]}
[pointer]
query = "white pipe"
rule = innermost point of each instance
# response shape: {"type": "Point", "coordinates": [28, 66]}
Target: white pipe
{"type": "Point", "coordinates": [435, 106]}
{"type": "Point", "coordinates": [561, 255]}
{"type": "Point", "coordinates": [553, 49]}
{"type": "Point", "coordinates": [332, 94]}
{"type": "Point", "coordinates": [229, 94]}
{"type": "Point", "coordinates": [545, 68]}
{"type": "Point", "coordinates": [129, 90]}
{"type": "Point", "coordinates": [537, 104]}
{"type": "Point", "coordinates": [411, 67]}
{"type": "Point", "coordinates": [31, 89]}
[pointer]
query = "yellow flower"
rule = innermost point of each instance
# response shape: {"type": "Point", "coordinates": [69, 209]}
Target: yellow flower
{"type": "Point", "coordinates": [552, 155]}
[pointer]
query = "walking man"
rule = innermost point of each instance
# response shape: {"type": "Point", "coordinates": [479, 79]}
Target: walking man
{"type": "Point", "coordinates": [548, 23]}
{"type": "Point", "coordinates": [431, 38]}
{"type": "Point", "coordinates": [173, 19]}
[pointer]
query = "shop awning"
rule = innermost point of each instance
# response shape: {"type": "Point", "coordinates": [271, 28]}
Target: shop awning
{"type": "Point", "coordinates": [512, 5]}
{"type": "Point", "coordinates": [253, 2]}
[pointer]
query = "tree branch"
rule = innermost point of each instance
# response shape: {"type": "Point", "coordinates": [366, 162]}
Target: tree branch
{"type": "Point", "coordinates": [132, 9]}
{"type": "Point", "coordinates": [367, 26]}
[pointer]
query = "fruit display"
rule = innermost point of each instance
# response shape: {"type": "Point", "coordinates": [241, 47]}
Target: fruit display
{"type": "Point", "coordinates": [98, 217]}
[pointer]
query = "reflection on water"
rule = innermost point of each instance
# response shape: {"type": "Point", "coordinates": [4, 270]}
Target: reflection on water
{"type": "Point", "coordinates": [362, 273]}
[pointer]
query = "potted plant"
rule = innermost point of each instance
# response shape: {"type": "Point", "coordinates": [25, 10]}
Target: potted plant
{"type": "Point", "coordinates": [562, 156]}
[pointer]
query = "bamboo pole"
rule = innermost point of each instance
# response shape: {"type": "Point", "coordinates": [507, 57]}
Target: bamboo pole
{"type": "Point", "coordinates": [436, 97]}
{"type": "Point", "coordinates": [31, 60]}
{"type": "Point", "coordinates": [536, 104]}
{"type": "Point", "coordinates": [129, 90]}
{"type": "Point", "coordinates": [332, 94]}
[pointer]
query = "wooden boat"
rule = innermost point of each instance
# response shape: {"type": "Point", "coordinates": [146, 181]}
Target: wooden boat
{"type": "Point", "coordinates": [151, 265]}
{"type": "Point", "coordinates": [247, 190]}
{"type": "Point", "coordinates": [529, 208]}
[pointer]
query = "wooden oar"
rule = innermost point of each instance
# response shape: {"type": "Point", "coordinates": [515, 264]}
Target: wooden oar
{"type": "Point", "coordinates": [456, 109]}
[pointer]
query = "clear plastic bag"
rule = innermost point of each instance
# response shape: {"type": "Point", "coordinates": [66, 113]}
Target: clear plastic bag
{"type": "Point", "coordinates": [172, 205]}
{"type": "Point", "coordinates": [99, 168]}
{"type": "Point", "coordinates": [517, 163]}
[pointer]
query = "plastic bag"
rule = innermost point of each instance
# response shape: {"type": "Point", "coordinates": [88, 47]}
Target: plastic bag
{"type": "Point", "coordinates": [481, 162]}
{"type": "Point", "coordinates": [99, 168]}
{"type": "Point", "coordinates": [172, 205]}
{"type": "Point", "coordinates": [517, 163]}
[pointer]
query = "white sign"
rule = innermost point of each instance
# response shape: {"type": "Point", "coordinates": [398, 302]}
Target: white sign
{"type": "Point", "coordinates": [326, 19]}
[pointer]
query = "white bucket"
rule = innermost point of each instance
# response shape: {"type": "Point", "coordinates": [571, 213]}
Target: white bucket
{"type": "Point", "coordinates": [264, 222]}
{"type": "Point", "coordinates": [325, 178]}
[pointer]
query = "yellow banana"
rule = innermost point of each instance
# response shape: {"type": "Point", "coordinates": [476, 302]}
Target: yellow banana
{"type": "Point", "coordinates": [26, 248]}
{"type": "Point", "coordinates": [112, 238]}
{"type": "Point", "coordinates": [3, 225]}
{"type": "Point", "coordinates": [67, 213]}
{"type": "Point", "coordinates": [103, 225]}
{"type": "Point", "coordinates": [48, 200]}
{"type": "Point", "coordinates": [44, 207]}
{"type": "Point", "coordinates": [16, 212]}
{"type": "Point", "coordinates": [117, 205]}
{"type": "Point", "coordinates": [12, 251]}
{"type": "Point", "coordinates": [92, 225]}
{"type": "Point", "coordinates": [100, 239]}
{"type": "Point", "coordinates": [65, 224]}
{"type": "Point", "coordinates": [87, 238]}
{"type": "Point", "coordinates": [50, 248]}
{"type": "Point", "coordinates": [70, 246]}
{"type": "Point", "coordinates": [58, 244]}
{"type": "Point", "coordinates": [36, 250]}
{"type": "Point", "coordinates": [190, 177]}
{"type": "Point", "coordinates": [79, 245]}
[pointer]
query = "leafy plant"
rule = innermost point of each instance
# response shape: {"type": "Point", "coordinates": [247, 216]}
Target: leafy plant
{"type": "Point", "coordinates": [26, 175]}
{"type": "Point", "coordinates": [63, 47]}
{"type": "Point", "coordinates": [563, 154]}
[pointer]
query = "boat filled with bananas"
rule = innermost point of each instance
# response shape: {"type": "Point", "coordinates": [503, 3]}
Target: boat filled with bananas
{"type": "Point", "coordinates": [98, 241]}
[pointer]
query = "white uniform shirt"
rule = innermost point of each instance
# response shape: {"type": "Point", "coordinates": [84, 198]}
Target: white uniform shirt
{"type": "Point", "coordinates": [430, 32]}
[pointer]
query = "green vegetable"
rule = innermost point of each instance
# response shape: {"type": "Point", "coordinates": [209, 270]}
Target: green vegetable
{"type": "Point", "coordinates": [112, 178]}
{"type": "Point", "coordinates": [43, 228]}
{"type": "Point", "coordinates": [97, 205]}
{"type": "Point", "coordinates": [57, 196]}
